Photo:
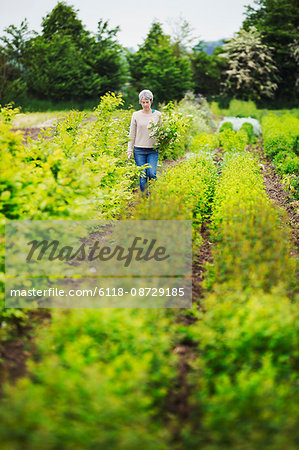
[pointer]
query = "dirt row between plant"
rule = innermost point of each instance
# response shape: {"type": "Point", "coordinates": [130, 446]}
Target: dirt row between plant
{"type": "Point", "coordinates": [276, 192]}
{"type": "Point", "coordinates": [180, 393]}
{"type": "Point", "coordinates": [33, 133]}
{"type": "Point", "coordinates": [15, 352]}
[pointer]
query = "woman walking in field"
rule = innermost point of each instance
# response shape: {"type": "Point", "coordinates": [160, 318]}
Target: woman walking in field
{"type": "Point", "coordinates": [140, 141]}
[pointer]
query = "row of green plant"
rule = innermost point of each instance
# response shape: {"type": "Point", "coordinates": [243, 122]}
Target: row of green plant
{"type": "Point", "coordinates": [102, 378]}
{"type": "Point", "coordinates": [226, 139]}
{"type": "Point", "coordinates": [75, 174]}
{"type": "Point", "coordinates": [248, 351]}
{"type": "Point", "coordinates": [116, 367]}
{"type": "Point", "coordinates": [281, 144]}
{"type": "Point", "coordinates": [185, 192]}
{"type": "Point", "coordinates": [244, 383]}
{"type": "Point", "coordinates": [246, 128]}
{"type": "Point", "coordinates": [79, 173]}
{"type": "Point", "coordinates": [248, 227]}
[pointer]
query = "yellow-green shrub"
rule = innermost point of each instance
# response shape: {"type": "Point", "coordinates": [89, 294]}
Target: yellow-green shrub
{"type": "Point", "coordinates": [280, 134]}
{"type": "Point", "coordinates": [245, 383]}
{"type": "Point", "coordinates": [231, 141]}
{"type": "Point", "coordinates": [248, 129]}
{"type": "Point", "coordinates": [101, 378]}
{"type": "Point", "coordinates": [204, 142]}
{"type": "Point", "coordinates": [226, 126]}
{"type": "Point", "coordinates": [171, 133]}
{"type": "Point", "coordinates": [81, 173]}
{"type": "Point", "coordinates": [281, 143]}
{"type": "Point", "coordinates": [244, 380]}
{"type": "Point", "coordinates": [240, 108]}
{"type": "Point", "coordinates": [252, 244]}
{"type": "Point", "coordinates": [99, 381]}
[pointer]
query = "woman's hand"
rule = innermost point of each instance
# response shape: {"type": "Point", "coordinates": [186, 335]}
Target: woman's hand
{"type": "Point", "coordinates": [129, 153]}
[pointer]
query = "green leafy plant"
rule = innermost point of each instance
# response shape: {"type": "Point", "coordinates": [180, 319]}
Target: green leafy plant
{"type": "Point", "coordinates": [252, 248]}
{"type": "Point", "coordinates": [281, 139]}
{"type": "Point", "coordinates": [244, 379]}
{"type": "Point", "coordinates": [231, 141]}
{"type": "Point", "coordinates": [170, 132]}
{"type": "Point", "coordinates": [204, 142]}
{"type": "Point", "coordinates": [248, 129]}
{"type": "Point", "coordinates": [226, 126]}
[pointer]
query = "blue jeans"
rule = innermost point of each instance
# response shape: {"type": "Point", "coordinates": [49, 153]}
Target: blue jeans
{"type": "Point", "coordinates": [146, 156]}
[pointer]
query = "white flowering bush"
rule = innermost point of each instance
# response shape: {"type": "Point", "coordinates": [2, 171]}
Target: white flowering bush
{"type": "Point", "coordinates": [251, 73]}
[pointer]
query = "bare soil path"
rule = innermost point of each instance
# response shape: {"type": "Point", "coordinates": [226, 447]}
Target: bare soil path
{"type": "Point", "coordinates": [14, 353]}
{"type": "Point", "coordinates": [278, 194]}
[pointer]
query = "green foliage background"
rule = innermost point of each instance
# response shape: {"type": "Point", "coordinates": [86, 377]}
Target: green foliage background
{"type": "Point", "coordinates": [67, 63]}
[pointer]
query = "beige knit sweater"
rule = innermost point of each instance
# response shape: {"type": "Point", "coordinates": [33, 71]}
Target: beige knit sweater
{"type": "Point", "coordinates": [139, 133]}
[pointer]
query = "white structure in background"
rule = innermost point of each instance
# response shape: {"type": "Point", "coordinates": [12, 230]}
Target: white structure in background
{"type": "Point", "coordinates": [237, 122]}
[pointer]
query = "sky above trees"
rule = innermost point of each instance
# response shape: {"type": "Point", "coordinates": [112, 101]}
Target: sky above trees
{"type": "Point", "coordinates": [210, 20]}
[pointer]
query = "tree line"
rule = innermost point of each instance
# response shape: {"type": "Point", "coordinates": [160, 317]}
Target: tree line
{"type": "Point", "coordinates": [66, 62]}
